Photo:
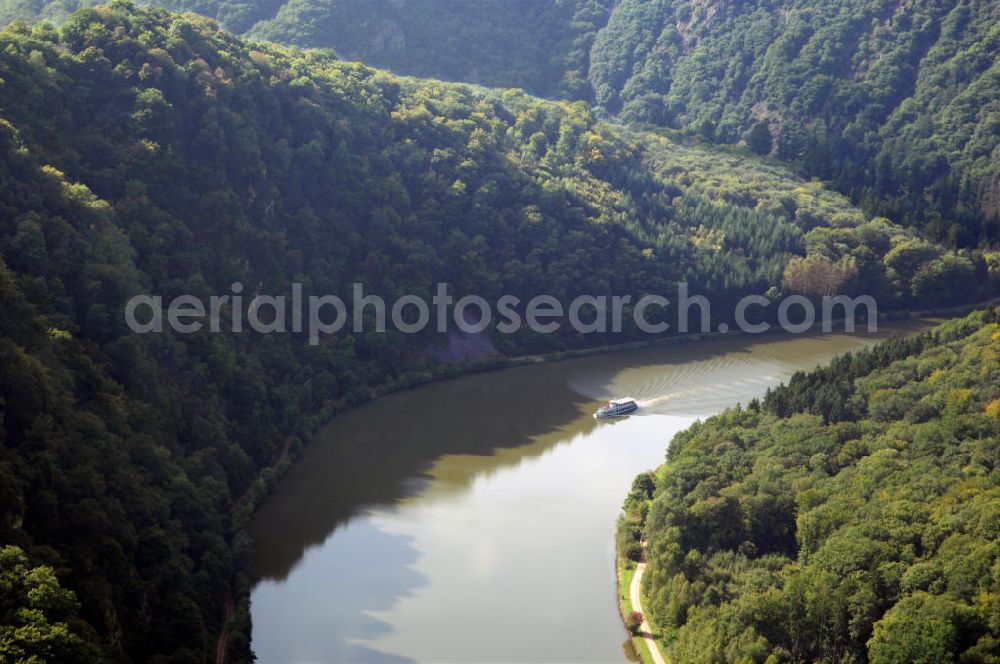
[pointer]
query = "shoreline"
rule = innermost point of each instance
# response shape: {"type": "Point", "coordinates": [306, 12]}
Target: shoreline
{"type": "Point", "coordinates": [629, 590]}
{"type": "Point", "coordinates": [645, 633]}
{"type": "Point", "coordinates": [690, 337]}
{"type": "Point", "coordinates": [246, 505]}
{"type": "Point", "coordinates": [624, 573]}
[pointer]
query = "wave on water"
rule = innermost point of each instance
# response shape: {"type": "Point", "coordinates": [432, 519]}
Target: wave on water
{"type": "Point", "coordinates": [700, 385]}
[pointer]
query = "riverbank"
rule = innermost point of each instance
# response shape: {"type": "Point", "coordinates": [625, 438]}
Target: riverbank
{"type": "Point", "coordinates": [513, 452]}
{"type": "Point", "coordinates": [270, 475]}
{"type": "Point", "coordinates": [294, 446]}
{"type": "Point", "coordinates": [646, 632]}
{"type": "Point", "coordinates": [837, 325]}
{"type": "Point", "coordinates": [266, 479]}
{"type": "Point", "coordinates": [624, 574]}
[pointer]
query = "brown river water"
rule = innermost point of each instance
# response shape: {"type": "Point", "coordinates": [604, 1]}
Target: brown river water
{"type": "Point", "coordinates": [472, 520]}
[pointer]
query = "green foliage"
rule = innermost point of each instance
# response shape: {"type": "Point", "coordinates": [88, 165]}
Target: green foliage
{"type": "Point", "coordinates": [543, 47]}
{"type": "Point", "coordinates": [851, 518]}
{"type": "Point", "coordinates": [759, 139]}
{"type": "Point", "coordinates": [147, 152]}
{"type": "Point", "coordinates": [921, 629]}
{"type": "Point", "coordinates": [897, 107]}
{"type": "Point", "coordinates": [34, 611]}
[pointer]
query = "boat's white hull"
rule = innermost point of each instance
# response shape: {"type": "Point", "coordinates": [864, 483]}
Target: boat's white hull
{"type": "Point", "coordinates": [618, 413]}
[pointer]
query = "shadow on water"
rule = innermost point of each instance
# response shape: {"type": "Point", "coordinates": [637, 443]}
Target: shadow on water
{"type": "Point", "coordinates": [373, 457]}
{"type": "Point", "coordinates": [434, 442]}
{"type": "Point", "coordinates": [380, 453]}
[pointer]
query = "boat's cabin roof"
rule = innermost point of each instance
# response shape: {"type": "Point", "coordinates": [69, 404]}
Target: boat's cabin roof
{"type": "Point", "coordinates": [621, 402]}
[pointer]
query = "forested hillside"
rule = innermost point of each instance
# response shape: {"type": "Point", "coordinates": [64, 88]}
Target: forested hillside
{"type": "Point", "coordinates": [895, 103]}
{"type": "Point", "coordinates": [851, 516]}
{"type": "Point", "coordinates": [145, 152]}
{"type": "Point", "coordinates": [541, 46]}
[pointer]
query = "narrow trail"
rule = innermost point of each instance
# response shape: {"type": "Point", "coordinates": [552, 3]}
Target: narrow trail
{"type": "Point", "coordinates": [223, 643]}
{"type": "Point", "coordinates": [645, 631]}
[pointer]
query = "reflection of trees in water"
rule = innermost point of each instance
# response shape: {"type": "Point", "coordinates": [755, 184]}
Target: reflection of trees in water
{"type": "Point", "coordinates": [630, 652]}
{"type": "Point", "coordinates": [386, 450]}
{"type": "Point", "coordinates": [382, 452]}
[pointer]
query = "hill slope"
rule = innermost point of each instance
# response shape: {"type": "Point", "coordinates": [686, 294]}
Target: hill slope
{"type": "Point", "coordinates": [543, 47]}
{"type": "Point", "coordinates": [850, 517]}
{"type": "Point", "coordinates": [144, 152]}
{"type": "Point", "coordinates": [896, 103]}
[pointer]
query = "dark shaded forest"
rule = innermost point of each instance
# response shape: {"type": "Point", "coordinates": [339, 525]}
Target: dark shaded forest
{"type": "Point", "coordinates": [543, 47]}
{"type": "Point", "coordinates": [895, 103]}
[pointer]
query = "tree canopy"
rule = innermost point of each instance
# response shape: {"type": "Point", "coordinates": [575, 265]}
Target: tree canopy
{"type": "Point", "coordinates": [897, 105]}
{"type": "Point", "coordinates": [148, 152]}
{"type": "Point", "coordinates": [850, 516]}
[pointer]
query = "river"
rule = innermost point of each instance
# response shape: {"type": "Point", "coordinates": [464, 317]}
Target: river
{"type": "Point", "coordinates": [472, 520]}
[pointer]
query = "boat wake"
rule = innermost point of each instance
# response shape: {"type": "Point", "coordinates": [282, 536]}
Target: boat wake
{"type": "Point", "coordinates": [702, 379]}
{"type": "Point", "coordinates": [662, 399]}
{"type": "Point", "coordinates": [708, 398]}
{"type": "Point", "coordinates": [697, 388]}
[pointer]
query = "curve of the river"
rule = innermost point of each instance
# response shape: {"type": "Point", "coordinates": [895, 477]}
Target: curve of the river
{"type": "Point", "coordinates": [471, 520]}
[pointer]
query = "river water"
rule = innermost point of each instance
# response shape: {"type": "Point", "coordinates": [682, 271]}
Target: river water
{"type": "Point", "coordinates": [472, 520]}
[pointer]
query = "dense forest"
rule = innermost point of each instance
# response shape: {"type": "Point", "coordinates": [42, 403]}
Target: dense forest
{"type": "Point", "coordinates": [894, 103]}
{"type": "Point", "coordinates": [541, 46]}
{"type": "Point", "coordinates": [146, 152]}
{"type": "Point", "coordinates": [850, 516]}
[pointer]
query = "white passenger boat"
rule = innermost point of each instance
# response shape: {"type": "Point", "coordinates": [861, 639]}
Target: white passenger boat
{"type": "Point", "coordinates": [617, 407]}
